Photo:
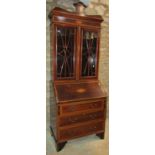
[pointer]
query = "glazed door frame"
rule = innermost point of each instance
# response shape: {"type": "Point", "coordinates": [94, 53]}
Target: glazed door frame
{"type": "Point", "coordinates": [97, 53]}
{"type": "Point", "coordinates": [55, 26]}
{"type": "Point", "coordinates": [77, 58]}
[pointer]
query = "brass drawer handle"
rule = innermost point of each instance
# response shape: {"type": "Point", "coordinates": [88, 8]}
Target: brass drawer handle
{"type": "Point", "coordinates": [91, 116]}
{"type": "Point", "coordinates": [95, 127]}
{"type": "Point", "coordinates": [92, 128]}
{"type": "Point", "coordinates": [73, 120]}
{"type": "Point", "coordinates": [93, 105]}
{"type": "Point", "coordinates": [72, 133]}
{"type": "Point", "coordinates": [72, 108]}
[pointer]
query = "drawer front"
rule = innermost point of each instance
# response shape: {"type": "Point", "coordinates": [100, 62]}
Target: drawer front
{"type": "Point", "coordinates": [83, 117]}
{"type": "Point", "coordinates": [75, 132]}
{"type": "Point", "coordinates": [81, 107]}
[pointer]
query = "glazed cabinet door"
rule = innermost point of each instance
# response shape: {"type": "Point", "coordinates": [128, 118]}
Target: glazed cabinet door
{"type": "Point", "coordinates": [65, 38]}
{"type": "Point", "coordinates": [89, 53]}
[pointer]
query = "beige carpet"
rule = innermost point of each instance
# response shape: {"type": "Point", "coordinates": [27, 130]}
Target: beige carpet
{"type": "Point", "coordinates": [89, 145]}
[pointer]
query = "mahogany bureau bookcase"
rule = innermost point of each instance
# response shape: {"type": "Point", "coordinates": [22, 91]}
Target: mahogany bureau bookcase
{"type": "Point", "coordinates": [80, 104]}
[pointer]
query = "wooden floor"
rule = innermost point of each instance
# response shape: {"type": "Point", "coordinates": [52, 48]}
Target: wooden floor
{"type": "Point", "coordinates": [90, 145]}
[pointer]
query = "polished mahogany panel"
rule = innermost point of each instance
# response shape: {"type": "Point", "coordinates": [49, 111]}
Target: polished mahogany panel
{"type": "Point", "coordinates": [78, 91]}
{"type": "Point", "coordinates": [79, 118]}
{"type": "Point", "coordinates": [81, 130]}
{"type": "Point", "coordinates": [59, 15]}
{"type": "Point", "coordinates": [72, 107]}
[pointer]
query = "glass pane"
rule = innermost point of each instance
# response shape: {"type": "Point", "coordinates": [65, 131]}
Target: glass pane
{"type": "Point", "coordinates": [89, 53]}
{"type": "Point", "coordinates": [65, 52]}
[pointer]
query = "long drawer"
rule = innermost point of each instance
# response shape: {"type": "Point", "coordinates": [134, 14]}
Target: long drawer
{"type": "Point", "coordinates": [82, 130]}
{"type": "Point", "coordinates": [79, 107]}
{"type": "Point", "coordinates": [80, 118]}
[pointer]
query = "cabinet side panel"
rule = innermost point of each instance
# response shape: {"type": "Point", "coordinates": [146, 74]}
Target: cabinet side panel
{"type": "Point", "coordinates": [53, 114]}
